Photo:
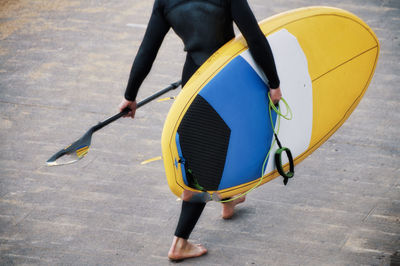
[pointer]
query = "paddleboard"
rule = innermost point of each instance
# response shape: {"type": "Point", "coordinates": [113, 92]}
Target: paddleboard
{"type": "Point", "coordinates": [218, 131]}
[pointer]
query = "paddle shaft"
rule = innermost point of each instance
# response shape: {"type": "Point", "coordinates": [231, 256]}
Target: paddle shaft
{"type": "Point", "coordinates": [141, 103]}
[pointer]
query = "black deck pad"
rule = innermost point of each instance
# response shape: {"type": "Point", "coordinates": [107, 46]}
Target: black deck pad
{"type": "Point", "coordinates": [204, 139]}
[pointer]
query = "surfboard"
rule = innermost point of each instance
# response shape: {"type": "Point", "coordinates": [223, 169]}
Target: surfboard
{"type": "Point", "coordinates": [218, 131]}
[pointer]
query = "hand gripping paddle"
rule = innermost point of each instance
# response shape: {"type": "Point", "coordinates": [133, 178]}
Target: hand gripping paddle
{"type": "Point", "coordinates": [80, 148]}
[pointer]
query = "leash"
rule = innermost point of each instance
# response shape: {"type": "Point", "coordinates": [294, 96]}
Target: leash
{"type": "Point", "coordinates": [278, 154]}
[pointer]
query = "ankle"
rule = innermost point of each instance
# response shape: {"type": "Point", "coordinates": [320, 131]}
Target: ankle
{"type": "Point", "coordinates": [178, 243]}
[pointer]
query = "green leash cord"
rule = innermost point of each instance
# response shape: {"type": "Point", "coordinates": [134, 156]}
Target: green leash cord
{"type": "Point", "coordinates": [278, 154]}
{"type": "Point", "coordinates": [281, 150]}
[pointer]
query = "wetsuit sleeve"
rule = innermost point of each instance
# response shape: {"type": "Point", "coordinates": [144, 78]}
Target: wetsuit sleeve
{"type": "Point", "coordinates": [156, 30]}
{"type": "Point", "coordinates": [258, 44]}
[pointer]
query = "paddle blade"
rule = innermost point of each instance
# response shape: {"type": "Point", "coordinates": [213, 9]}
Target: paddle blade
{"type": "Point", "coordinates": [65, 157]}
{"type": "Point", "coordinates": [73, 152]}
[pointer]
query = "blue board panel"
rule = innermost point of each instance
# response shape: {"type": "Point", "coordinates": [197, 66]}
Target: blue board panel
{"type": "Point", "coordinates": [240, 97]}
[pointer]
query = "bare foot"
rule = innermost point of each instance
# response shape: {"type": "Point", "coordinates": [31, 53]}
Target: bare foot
{"type": "Point", "coordinates": [228, 208]}
{"type": "Point", "coordinates": [182, 249]}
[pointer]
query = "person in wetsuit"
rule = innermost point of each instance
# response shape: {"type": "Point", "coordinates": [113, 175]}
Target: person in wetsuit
{"type": "Point", "coordinates": [204, 26]}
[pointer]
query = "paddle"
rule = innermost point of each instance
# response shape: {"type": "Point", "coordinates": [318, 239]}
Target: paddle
{"type": "Point", "coordinates": [78, 149]}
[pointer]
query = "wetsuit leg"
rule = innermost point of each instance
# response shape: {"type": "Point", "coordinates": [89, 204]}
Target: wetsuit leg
{"type": "Point", "coordinates": [191, 211]}
{"type": "Point", "coordinates": [190, 214]}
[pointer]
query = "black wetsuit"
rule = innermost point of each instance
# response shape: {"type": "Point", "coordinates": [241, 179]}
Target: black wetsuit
{"type": "Point", "coordinates": [204, 26]}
